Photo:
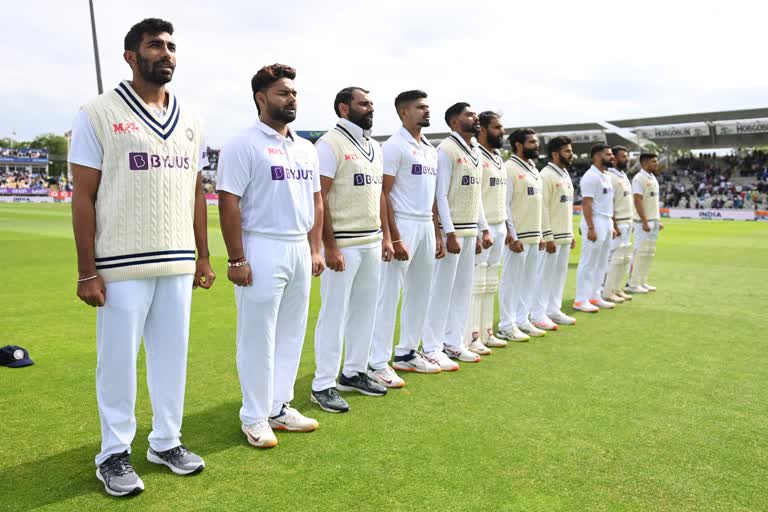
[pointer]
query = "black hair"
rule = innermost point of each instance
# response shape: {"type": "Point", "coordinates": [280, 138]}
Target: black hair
{"type": "Point", "coordinates": [454, 110]}
{"type": "Point", "coordinates": [345, 96]}
{"type": "Point", "coordinates": [408, 96]}
{"type": "Point", "coordinates": [598, 148]}
{"type": "Point", "coordinates": [268, 75]}
{"type": "Point", "coordinates": [486, 117]}
{"type": "Point", "coordinates": [616, 149]}
{"type": "Point", "coordinates": [644, 157]}
{"type": "Point", "coordinates": [557, 143]}
{"type": "Point", "coordinates": [150, 26]}
{"type": "Point", "coordinates": [519, 135]}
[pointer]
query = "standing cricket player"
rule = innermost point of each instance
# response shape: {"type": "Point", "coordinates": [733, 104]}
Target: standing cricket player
{"type": "Point", "coordinates": [597, 223]}
{"type": "Point", "coordinates": [356, 239]}
{"type": "Point", "coordinates": [410, 171]}
{"type": "Point", "coordinates": [524, 240]}
{"type": "Point", "coordinates": [645, 190]}
{"type": "Point", "coordinates": [557, 228]}
{"type": "Point", "coordinates": [271, 218]}
{"type": "Point", "coordinates": [479, 331]}
{"type": "Point", "coordinates": [139, 213]}
{"type": "Point", "coordinates": [620, 254]}
{"type": "Point", "coordinates": [459, 204]}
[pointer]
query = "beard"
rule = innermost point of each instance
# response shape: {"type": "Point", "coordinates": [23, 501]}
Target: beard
{"type": "Point", "coordinates": [424, 123]}
{"type": "Point", "coordinates": [363, 120]}
{"type": "Point", "coordinates": [496, 142]}
{"type": "Point", "coordinates": [282, 114]}
{"type": "Point", "coordinates": [530, 154]}
{"type": "Point", "coordinates": [565, 162]}
{"type": "Point", "coordinates": [153, 72]}
{"type": "Point", "coordinates": [473, 128]}
{"type": "Point", "coordinates": [607, 162]}
{"type": "Point", "coordinates": [621, 166]}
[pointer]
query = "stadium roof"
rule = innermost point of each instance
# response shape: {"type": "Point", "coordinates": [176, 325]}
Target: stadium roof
{"type": "Point", "coordinates": [707, 117]}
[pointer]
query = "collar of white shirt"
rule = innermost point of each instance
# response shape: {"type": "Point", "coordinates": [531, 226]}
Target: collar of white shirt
{"type": "Point", "coordinates": [528, 163]}
{"type": "Point", "coordinates": [598, 171]}
{"type": "Point", "coordinates": [405, 134]}
{"type": "Point", "coordinates": [557, 167]}
{"type": "Point", "coordinates": [268, 130]}
{"type": "Point", "coordinates": [649, 174]}
{"type": "Point", "coordinates": [473, 141]}
{"type": "Point", "coordinates": [616, 171]}
{"type": "Point", "coordinates": [358, 133]}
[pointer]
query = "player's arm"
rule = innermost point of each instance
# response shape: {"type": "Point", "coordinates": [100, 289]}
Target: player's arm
{"type": "Point", "coordinates": [637, 196]}
{"type": "Point", "coordinates": [586, 211]}
{"type": "Point", "coordinates": [400, 250]}
{"type": "Point", "coordinates": [512, 242]}
{"type": "Point", "coordinates": [485, 240]}
{"type": "Point", "coordinates": [90, 286]}
{"type": "Point", "coordinates": [439, 245]}
{"type": "Point", "coordinates": [233, 177]}
{"type": "Point", "coordinates": [547, 201]}
{"type": "Point", "coordinates": [386, 241]}
{"type": "Point", "coordinates": [204, 275]}
{"type": "Point", "coordinates": [444, 170]}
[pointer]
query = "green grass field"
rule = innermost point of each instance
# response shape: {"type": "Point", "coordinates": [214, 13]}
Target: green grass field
{"type": "Point", "coordinates": [661, 404]}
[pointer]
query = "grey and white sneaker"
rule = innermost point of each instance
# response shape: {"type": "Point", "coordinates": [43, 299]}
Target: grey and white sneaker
{"type": "Point", "coordinates": [462, 353]}
{"type": "Point", "coordinates": [179, 459]}
{"type": "Point", "coordinates": [118, 476]}
{"type": "Point", "coordinates": [292, 420]}
{"type": "Point", "coordinates": [512, 334]}
{"type": "Point", "coordinates": [386, 377]}
{"type": "Point", "coordinates": [362, 384]}
{"type": "Point", "coordinates": [415, 362]}
{"type": "Point", "coordinates": [329, 400]}
{"type": "Point", "coordinates": [442, 360]}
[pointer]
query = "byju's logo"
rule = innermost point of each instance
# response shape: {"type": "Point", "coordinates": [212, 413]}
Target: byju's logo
{"type": "Point", "coordinates": [360, 179]}
{"type": "Point", "coordinates": [469, 180]}
{"type": "Point", "coordinates": [496, 182]}
{"type": "Point", "coordinates": [280, 173]}
{"type": "Point", "coordinates": [418, 169]}
{"type": "Point", "coordinates": [138, 161]}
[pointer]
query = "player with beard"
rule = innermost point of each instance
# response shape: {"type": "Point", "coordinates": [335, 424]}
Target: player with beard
{"type": "Point", "coordinates": [479, 332]}
{"type": "Point", "coordinates": [524, 239]}
{"type": "Point", "coordinates": [620, 253]}
{"type": "Point", "coordinates": [271, 218]}
{"type": "Point", "coordinates": [645, 192]}
{"type": "Point", "coordinates": [597, 223]}
{"type": "Point", "coordinates": [139, 213]}
{"type": "Point", "coordinates": [355, 239]}
{"type": "Point", "coordinates": [557, 229]}
{"type": "Point", "coordinates": [460, 208]}
{"type": "Point", "coordinates": [410, 170]}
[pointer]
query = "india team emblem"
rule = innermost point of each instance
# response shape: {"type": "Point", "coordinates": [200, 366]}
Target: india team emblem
{"type": "Point", "coordinates": [18, 355]}
{"type": "Point", "coordinates": [190, 134]}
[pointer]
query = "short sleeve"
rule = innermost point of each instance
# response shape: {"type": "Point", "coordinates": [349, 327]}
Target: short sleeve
{"type": "Point", "coordinates": [85, 148]}
{"type": "Point", "coordinates": [392, 157]}
{"type": "Point", "coordinates": [637, 187]}
{"type": "Point", "coordinates": [316, 173]}
{"type": "Point", "coordinates": [326, 158]}
{"type": "Point", "coordinates": [235, 164]}
{"type": "Point", "coordinates": [590, 186]}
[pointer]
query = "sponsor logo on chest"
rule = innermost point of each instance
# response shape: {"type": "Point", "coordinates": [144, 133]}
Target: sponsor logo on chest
{"type": "Point", "coordinates": [362, 179]}
{"type": "Point", "coordinates": [423, 170]}
{"type": "Point", "coordinates": [126, 127]}
{"type": "Point", "coordinates": [497, 182]}
{"type": "Point", "coordinates": [470, 180]}
{"type": "Point", "coordinates": [140, 161]}
{"type": "Point", "coordinates": [282, 173]}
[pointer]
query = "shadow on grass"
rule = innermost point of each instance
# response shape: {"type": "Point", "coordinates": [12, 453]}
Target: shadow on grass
{"type": "Point", "coordinates": [72, 473]}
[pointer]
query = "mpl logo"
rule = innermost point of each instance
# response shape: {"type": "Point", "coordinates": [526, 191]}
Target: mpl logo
{"type": "Point", "coordinates": [280, 173]}
{"type": "Point", "coordinates": [140, 161]}
{"type": "Point", "coordinates": [274, 151]}
{"type": "Point", "coordinates": [351, 156]}
{"type": "Point", "coordinates": [423, 170]}
{"type": "Point", "coordinates": [128, 127]}
{"type": "Point", "coordinates": [366, 179]}
{"type": "Point", "coordinates": [470, 180]}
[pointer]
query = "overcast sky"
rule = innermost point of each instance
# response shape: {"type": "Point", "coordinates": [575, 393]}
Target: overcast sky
{"type": "Point", "coordinates": [537, 62]}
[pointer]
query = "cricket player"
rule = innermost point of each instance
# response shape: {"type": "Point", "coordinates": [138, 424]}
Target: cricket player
{"type": "Point", "coordinates": [557, 228]}
{"type": "Point", "coordinates": [459, 204]}
{"type": "Point", "coordinates": [410, 176]}
{"type": "Point", "coordinates": [139, 214]}
{"type": "Point", "coordinates": [355, 239]}
{"type": "Point", "coordinates": [479, 331]}
{"type": "Point", "coordinates": [524, 239]}
{"type": "Point", "coordinates": [597, 224]}
{"type": "Point", "coordinates": [645, 191]}
{"type": "Point", "coordinates": [620, 253]}
{"type": "Point", "coordinates": [271, 218]}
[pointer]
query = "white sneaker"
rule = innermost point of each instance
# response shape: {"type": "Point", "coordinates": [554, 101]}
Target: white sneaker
{"type": "Point", "coordinates": [561, 318]}
{"type": "Point", "coordinates": [636, 289]}
{"type": "Point", "coordinates": [513, 334]}
{"type": "Point", "coordinates": [260, 434]}
{"type": "Point", "coordinates": [613, 297]}
{"type": "Point", "coordinates": [602, 304]}
{"type": "Point", "coordinates": [494, 342]}
{"type": "Point", "coordinates": [528, 328]}
{"type": "Point", "coordinates": [585, 307]}
{"type": "Point", "coordinates": [415, 362]}
{"type": "Point", "coordinates": [478, 347]}
{"type": "Point", "coordinates": [386, 377]}
{"type": "Point", "coordinates": [544, 323]}
{"type": "Point", "coordinates": [649, 287]}
{"type": "Point", "coordinates": [441, 360]}
{"type": "Point", "coordinates": [461, 353]}
{"type": "Point", "coordinates": [624, 295]}
{"type": "Point", "coordinates": [293, 421]}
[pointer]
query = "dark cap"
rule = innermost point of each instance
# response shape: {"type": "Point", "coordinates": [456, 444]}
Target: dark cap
{"type": "Point", "coordinates": [14, 357]}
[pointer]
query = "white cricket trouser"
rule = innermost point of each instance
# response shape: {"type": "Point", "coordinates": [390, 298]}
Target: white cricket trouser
{"type": "Point", "coordinates": [594, 259]}
{"type": "Point", "coordinates": [645, 251]}
{"type": "Point", "coordinates": [414, 276]}
{"type": "Point", "coordinates": [553, 272]}
{"type": "Point", "coordinates": [485, 285]}
{"type": "Point", "coordinates": [157, 308]}
{"type": "Point", "coordinates": [619, 255]}
{"type": "Point", "coordinates": [449, 301]}
{"type": "Point", "coordinates": [348, 312]}
{"type": "Point", "coordinates": [271, 321]}
{"type": "Point", "coordinates": [518, 282]}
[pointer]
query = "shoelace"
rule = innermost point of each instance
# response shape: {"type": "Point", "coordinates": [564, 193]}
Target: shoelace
{"type": "Point", "coordinates": [178, 452]}
{"type": "Point", "coordinates": [118, 464]}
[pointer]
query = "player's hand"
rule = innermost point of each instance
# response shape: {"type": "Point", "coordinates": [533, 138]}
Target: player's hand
{"type": "Point", "coordinates": [550, 247]}
{"type": "Point", "coordinates": [240, 276]}
{"type": "Point", "coordinates": [514, 245]}
{"type": "Point", "coordinates": [386, 250]}
{"type": "Point", "coordinates": [401, 251]}
{"type": "Point", "coordinates": [478, 246]}
{"type": "Point", "coordinates": [661, 226]}
{"type": "Point", "coordinates": [591, 235]}
{"type": "Point", "coordinates": [334, 259]}
{"type": "Point", "coordinates": [439, 247]}
{"type": "Point", "coordinates": [204, 275]}
{"type": "Point", "coordinates": [318, 265]}
{"type": "Point", "coordinates": [616, 232]}
{"type": "Point", "coordinates": [542, 245]}
{"type": "Point", "coordinates": [573, 243]}
{"type": "Point", "coordinates": [646, 227]}
{"type": "Point", "coordinates": [487, 240]}
{"type": "Point", "coordinates": [92, 292]}
{"type": "Point", "coordinates": [452, 244]}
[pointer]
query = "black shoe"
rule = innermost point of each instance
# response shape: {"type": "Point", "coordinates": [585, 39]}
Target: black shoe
{"type": "Point", "coordinates": [329, 400]}
{"type": "Point", "coordinates": [118, 476]}
{"type": "Point", "coordinates": [362, 384]}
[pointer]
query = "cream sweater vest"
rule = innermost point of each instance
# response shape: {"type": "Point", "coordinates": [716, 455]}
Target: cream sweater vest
{"type": "Point", "coordinates": [146, 199]}
{"type": "Point", "coordinates": [354, 199]}
{"type": "Point", "coordinates": [465, 190]}
{"type": "Point", "coordinates": [622, 196]}
{"type": "Point", "coordinates": [526, 199]}
{"type": "Point", "coordinates": [650, 195]}
{"type": "Point", "coordinates": [557, 205]}
{"type": "Point", "coordinates": [494, 186]}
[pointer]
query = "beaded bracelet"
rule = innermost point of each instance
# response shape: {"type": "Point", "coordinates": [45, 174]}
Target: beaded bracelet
{"type": "Point", "coordinates": [236, 264]}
